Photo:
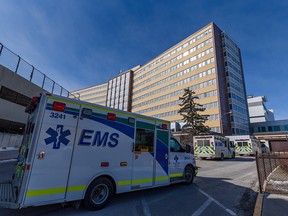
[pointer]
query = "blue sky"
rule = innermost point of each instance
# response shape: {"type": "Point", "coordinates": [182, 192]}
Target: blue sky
{"type": "Point", "coordinates": [84, 43]}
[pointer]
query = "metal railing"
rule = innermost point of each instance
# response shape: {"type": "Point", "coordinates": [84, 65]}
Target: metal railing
{"type": "Point", "coordinates": [272, 169]}
{"type": "Point", "coordinates": [21, 67]}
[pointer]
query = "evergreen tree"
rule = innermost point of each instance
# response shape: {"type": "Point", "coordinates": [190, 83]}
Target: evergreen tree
{"type": "Point", "coordinates": [194, 123]}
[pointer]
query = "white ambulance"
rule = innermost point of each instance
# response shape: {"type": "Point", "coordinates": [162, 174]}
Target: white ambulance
{"type": "Point", "coordinates": [246, 144]}
{"type": "Point", "coordinates": [213, 146]}
{"type": "Point", "coordinates": [74, 150]}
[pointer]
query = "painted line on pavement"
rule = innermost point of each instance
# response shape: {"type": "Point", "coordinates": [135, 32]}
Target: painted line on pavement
{"type": "Point", "coordinates": [7, 160]}
{"type": "Point", "coordinates": [218, 203]}
{"type": "Point", "coordinates": [145, 207]}
{"type": "Point", "coordinates": [202, 208]}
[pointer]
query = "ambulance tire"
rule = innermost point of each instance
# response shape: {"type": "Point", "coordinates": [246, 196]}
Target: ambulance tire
{"type": "Point", "coordinates": [189, 175]}
{"type": "Point", "coordinates": [98, 194]}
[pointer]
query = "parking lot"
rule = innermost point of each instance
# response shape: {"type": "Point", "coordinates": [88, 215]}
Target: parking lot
{"type": "Point", "coordinates": [221, 188]}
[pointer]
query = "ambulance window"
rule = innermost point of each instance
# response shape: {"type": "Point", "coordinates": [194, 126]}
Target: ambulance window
{"type": "Point", "coordinates": [206, 142]}
{"type": "Point", "coordinates": [175, 146]}
{"type": "Point", "coordinates": [144, 140]}
{"type": "Point", "coordinates": [245, 143]}
{"type": "Point", "coordinates": [239, 143]}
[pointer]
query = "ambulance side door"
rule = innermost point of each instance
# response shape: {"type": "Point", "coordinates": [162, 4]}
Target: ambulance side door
{"type": "Point", "coordinates": [51, 163]}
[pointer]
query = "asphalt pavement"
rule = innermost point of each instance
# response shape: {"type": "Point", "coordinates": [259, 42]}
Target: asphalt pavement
{"type": "Point", "coordinates": [266, 204]}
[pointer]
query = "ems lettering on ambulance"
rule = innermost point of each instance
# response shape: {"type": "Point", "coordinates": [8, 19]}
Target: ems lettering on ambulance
{"type": "Point", "coordinates": [98, 138]}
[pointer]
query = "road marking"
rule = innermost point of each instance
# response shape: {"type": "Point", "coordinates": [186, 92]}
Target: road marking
{"type": "Point", "coordinates": [145, 207]}
{"type": "Point", "coordinates": [202, 208]}
{"type": "Point", "coordinates": [218, 203]}
{"type": "Point", "coordinates": [7, 160]}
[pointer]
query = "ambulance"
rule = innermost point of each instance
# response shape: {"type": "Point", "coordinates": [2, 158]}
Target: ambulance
{"type": "Point", "coordinates": [246, 145]}
{"type": "Point", "coordinates": [213, 146]}
{"type": "Point", "coordinates": [82, 152]}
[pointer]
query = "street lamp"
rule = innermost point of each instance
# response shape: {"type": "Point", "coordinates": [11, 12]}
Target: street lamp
{"type": "Point", "coordinates": [222, 129]}
{"type": "Point", "coordinates": [230, 112]}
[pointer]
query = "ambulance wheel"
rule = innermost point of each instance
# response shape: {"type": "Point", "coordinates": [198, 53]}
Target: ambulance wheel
{"type": "Point", "coordinates": [189, 175]}
{"type": "Point", "coordinates": [98, 194]}
{"type": "Point", "coordinates": [222, 157]}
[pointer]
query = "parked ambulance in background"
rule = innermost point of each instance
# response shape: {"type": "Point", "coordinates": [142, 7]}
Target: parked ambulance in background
{"type": "Point", "coordinates": [246, 145]}
{"type": "Point", "coordinates": [74, 150]}
{"type": "Point", "coordinates": [213, 146]}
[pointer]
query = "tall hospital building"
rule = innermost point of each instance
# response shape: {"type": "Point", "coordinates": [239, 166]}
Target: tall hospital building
{"type": "Point", "coordinates": [208, 62]}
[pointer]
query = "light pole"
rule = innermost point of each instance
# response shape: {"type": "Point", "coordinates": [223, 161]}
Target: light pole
{"type": "Point", "coordinates": [222, 129]}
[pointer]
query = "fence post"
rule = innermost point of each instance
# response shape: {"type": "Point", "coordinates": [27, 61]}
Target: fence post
{"type": "Point", "coordinates": [43, 81]}
{"type": "Point", "coordinates": [31, 75]}
{"type": "Point", "coordinates": [258, 172]}
{"type": "Point", "coordinates": [1, 48]}
{"type": "Point", "coordinates": [53, 87]}
{"type": "Point", "coordinates": [17, 64]}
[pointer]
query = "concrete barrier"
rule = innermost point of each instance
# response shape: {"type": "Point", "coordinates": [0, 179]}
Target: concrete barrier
{"type": "Point", "coordinates": [10, 140]}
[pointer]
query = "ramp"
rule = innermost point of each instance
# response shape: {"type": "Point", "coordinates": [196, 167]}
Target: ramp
{"type": "Point", "coordinates": [7, 195]}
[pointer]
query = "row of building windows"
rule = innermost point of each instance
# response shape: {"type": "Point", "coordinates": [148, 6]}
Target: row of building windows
{"type": "Point", "coordinates": [235, 77]}
{"type": "Point", "coordinates": [193, 40]}
{"type": "Point", "coordinates": [210, 105]}
{"type": "Point", "coordinates": [236, 87]}
{"type": "Point", "coordinates": [229, 57]}
{"type": "Point", "coordinates": [237, 98]}
{"type": "Point", "coordinates": [180, 83]}
{"type": "Point", "coordinates": [212, 117]}
{"type": "Point", "coordinates": [238, 109]}
{"type": "Point", "coordinates": [88, 96]}
{"type": "Point", "coordinates": [229, 40]}
{"type": "Point", "coordinates": [239, 131]}
{"type": "Point", "coordinates": [275, 128]}
{"type": "Point", "coordinates": [172, 60]}
{"type": "Point", "coordinates": [215, 129]}
{"type": "Point", "coordinates": [207, 94]}
{"type": "Point", "coordinates": [237, 70]}
{"type": "Point", "coordinates": [173, 103]}
{"type": "Point", "coordinates": [180, 73]}
{"type": "Point", "coordinates": [237, 120]}
{"type": "Point", "coordinates": [96, 98]}
{"type": "Point", "coordinates": [176, 93]}
{"type": "Point", "coordinates": [92, 89]}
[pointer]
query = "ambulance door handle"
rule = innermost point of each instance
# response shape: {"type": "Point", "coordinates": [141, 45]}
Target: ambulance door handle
{"type": "Point", "coordinates": [41, 155]}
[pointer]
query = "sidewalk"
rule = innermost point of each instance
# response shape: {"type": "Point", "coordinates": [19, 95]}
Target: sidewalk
{"type": "Point", "coordinates": [271, 204]}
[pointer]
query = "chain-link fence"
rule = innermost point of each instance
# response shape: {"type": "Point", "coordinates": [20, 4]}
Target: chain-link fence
{"type": "Point", "coordinates": [18, 65]}
{"type": "Point", "coordinates": [272, 171]}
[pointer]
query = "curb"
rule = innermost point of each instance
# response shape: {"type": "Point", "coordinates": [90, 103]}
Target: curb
{"type": "Point", "coordinates": [258, 205]}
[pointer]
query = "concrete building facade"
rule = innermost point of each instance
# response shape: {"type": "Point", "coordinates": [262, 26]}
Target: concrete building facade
{"type": "Point", "coordinates": [258, 111]}
{"type": "Point", "coordinates": [119, 91]}
{"type": "Point", "coordinates": [15, 94]}
{"type": "Point", "coordinates": [209, 63]}
{"type": "Point", "coordinates": [273, 133]}
{"type": "Point", "coordinates": [94, 94]}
